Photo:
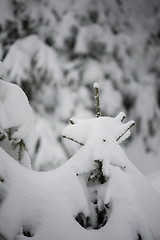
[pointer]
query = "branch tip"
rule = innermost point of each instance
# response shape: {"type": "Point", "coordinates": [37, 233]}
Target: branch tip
{"type": "Point", "coordinates": [97, 101]}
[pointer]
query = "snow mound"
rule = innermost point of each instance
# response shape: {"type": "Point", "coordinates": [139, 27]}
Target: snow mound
{"type": "Point", "coordinates": [98, 188]}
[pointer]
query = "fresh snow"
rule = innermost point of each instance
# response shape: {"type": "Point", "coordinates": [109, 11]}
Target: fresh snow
{"type": "Point", "coordinates": [17, 118]}
{"type": "Point", "coordinates": [46, 204]}
{"type": "Point", "coordinates": [96, 85]}
{"type": "Point", "coordinates": [46, 147]}
{"type": "Point", "coordinates": [26, 50]}
{"type": "Point", "coordinates": [128, 32]}
{"type": "Point", "coordinates": [67, 46]}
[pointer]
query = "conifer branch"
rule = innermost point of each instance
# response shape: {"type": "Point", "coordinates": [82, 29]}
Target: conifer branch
{"type": "Point", "coordinates": [21, 148]}
{"type": "Point", "coordinates": [97, 101]}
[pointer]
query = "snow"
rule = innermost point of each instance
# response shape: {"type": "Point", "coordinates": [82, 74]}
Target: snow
{"type": "Point", "coordinates": [86, 35]}
{"type": "Point", "coordinates": [26, 50]}
{"type": "Point", "coordinates": [16, 115]}
{"type": "Point", "coordinates": [114, 129]}
{"type": "Point", "coordinates": [46, 203]}
{"type": "Point", "coordinates": [121, 68]}
{"type": "Point", "coordinates": [96, 85]}
{"type": "Point", "coordinates": [64, 29]}
{"type": "Point", "coordinates": [5, 11]}
{"type": "Point", "coordinates": [12, 98]}
{"type": "Point", "coordinates": [121, 180]}
{"type": "Point", "coordinates": [111, 100]}
{"type": "Point", "coordinates": [92, 72]}
{"type": "Point", "coordinates": [154, 179]}
{"type": "Point", "coordinates": [127, 72]}
{"type": "Point", "coordinates": [46, 147]}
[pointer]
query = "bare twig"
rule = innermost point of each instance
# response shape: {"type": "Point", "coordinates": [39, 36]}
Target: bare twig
{"type": "Point", "coordinates": [73, 140]}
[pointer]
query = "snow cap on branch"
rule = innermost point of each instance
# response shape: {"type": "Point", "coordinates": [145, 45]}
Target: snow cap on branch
{"type": "Point", "coordinates": [96, 85]}
{"type": "Point", "coordinates": [107, 128]}
{"type": "Point", "coordinates": [99, 128]}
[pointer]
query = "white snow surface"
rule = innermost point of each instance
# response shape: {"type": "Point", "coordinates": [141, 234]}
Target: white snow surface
{"type": "Point", "coordinates": [46, 203]}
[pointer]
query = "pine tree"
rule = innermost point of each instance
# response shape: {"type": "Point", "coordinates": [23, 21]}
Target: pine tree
{"type": "Point", "coordinates": [15, 127]}
{"type": "Point", "coordinates": [108, 42]}
{"type": "Point", "coordinates": [97, 194]}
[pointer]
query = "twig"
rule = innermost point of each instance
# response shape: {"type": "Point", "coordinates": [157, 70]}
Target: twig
{"type": "Point", "coordinates": [97, 101]}
{"type": "Point", "coordinates": [73, 140]}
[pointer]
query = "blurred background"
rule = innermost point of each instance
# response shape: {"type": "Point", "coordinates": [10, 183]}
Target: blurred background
{"type": "Point", "coordinates": [56, 49]}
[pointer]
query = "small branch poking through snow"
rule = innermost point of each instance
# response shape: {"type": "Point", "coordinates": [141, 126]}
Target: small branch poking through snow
{"type": "Point", "coordinates": [97, 101]}
{"type": "Point", "coordinates": [129, 127]}
{"type": "Point", "coordinates": [73, 140]}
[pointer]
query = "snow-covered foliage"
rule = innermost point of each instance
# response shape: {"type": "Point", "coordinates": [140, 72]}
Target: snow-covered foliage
{"type": "Point", "coordinates": [46, 147]}
{"type": "Point", "coordinates": [62, 47]}
{"type": "Point", "coordinates": [97, 194]}
{"type": "Point", "coordinates": [16, 122]}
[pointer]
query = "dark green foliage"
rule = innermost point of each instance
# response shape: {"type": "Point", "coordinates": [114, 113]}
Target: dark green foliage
{"type": "Point", "coordinates": [2, 237]}
{"type": "Point", "coordinates": [139, 237]}
{"type": "Point", "coordinates": [97, 175]}
{"type": "Point", "coordinates": [49, 41]}
{"type": "Point", "coordinates": [27, 88]}
{"type": "Point", "coordinates": [94, 16]}
{"type": "Point", "coordinates": [1, 179]}
{"type": "Point", "coordinates": [82, 220]}
{"type": "Point", "coordinates": [3, 190]}
{"type": "Point", "coordinates": [18, 145]}
{"type": "Point", "coordinates": [96, 49]}
{"type": "Point", "coordinates": [38, 143]}
{"type": "Point", "coordinates": [69, 42]}
{"type": "Point", "coordinates": [101, 216]}
{"type": "Point", "coordinates": [151, 128]}
{"type": "Point", "coordinates": [128, 102]}
{"type": "Point", "coordinates": [2, 137]}
{"type": "Point", "coordinates": [100, 212]}
{"type": "Point", "coordinates": [36, 78]}
{"type": "Point", "coordinates": [27, 233]}
{"type": "Point", "coordinates": [158, 97]}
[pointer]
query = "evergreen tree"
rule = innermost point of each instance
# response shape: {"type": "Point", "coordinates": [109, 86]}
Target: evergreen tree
{"type": "Point", "coordinates": [16, 127]}
{"type": "Point", "coordinates": [97, 194]}
{"type": "Point", "coordinates": [115, 43]}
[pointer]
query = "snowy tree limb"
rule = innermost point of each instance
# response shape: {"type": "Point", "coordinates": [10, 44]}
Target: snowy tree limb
{"type": "Point", "coordinates": [130, 125]}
